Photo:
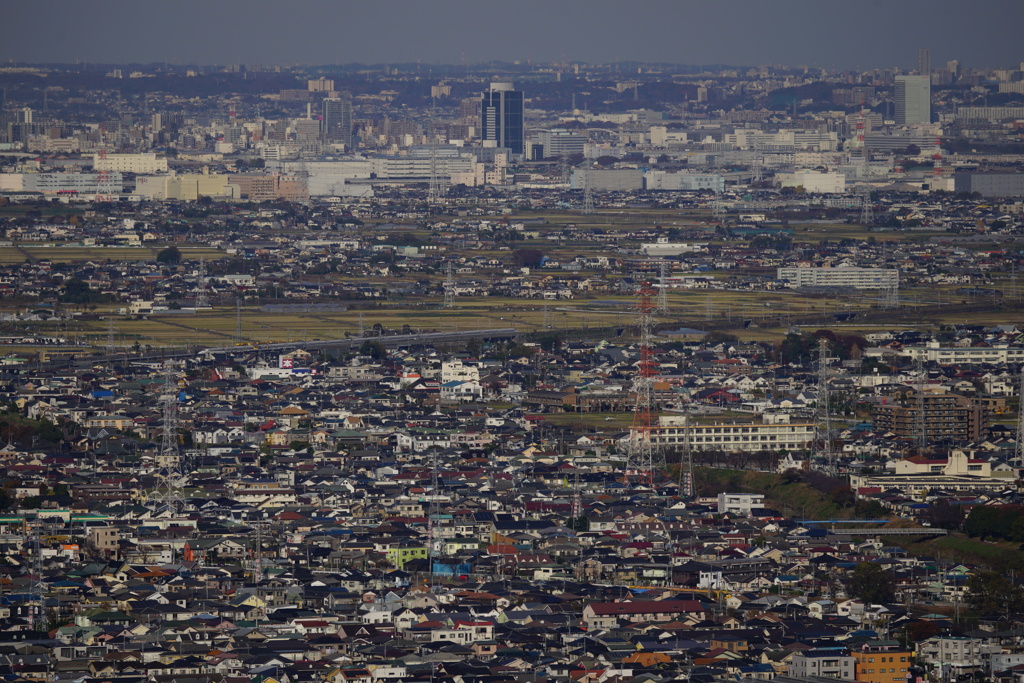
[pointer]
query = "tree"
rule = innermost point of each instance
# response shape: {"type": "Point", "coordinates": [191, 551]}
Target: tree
{"type": "Point", "coordinates": [871, 583]}
{"type": "Point", "coordinates": [527, 258]}
{"type": "Point", "coordinates": [991, 592]}
{"type": "Point", "coordinates": [945, 516]}
{"type": "Point", "coordinates": [77, 291]}
{"type": "Point", "coordinates": [170, 255]}
{"type": "Point", "coordinates": [373, 349]}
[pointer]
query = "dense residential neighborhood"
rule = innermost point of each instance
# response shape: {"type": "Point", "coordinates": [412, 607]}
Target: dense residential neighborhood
{"type": "Point", "coordinates": [511, 373]}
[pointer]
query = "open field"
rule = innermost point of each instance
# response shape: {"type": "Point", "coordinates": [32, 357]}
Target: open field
{"type": "Point", "coordinates": [78, 253]}
{"type": "Point", "coordinates": [754, 316]}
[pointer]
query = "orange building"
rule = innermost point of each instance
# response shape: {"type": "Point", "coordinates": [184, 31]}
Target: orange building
{"type": "Point", "coordinates": [881, 661]}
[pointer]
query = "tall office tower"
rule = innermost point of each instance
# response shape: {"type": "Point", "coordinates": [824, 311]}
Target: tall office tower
{"type": "Point", "coordinates": [913, 99]}
{"type": "Point", "coordinates": [337, 123]}
{"type": "Point", "coordinates": [501, 117]}
{"type": "Point", "coordinates": [924, 62]}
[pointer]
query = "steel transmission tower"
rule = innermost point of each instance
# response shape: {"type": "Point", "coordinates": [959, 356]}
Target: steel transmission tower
{"type": "Point", "coordinates": [867, 212]}
{"type": "Point", "coordinates": [922, 420]}
{"type": "Point", "coordinates": [588, 193]}
{"type": "Point", "coordinates": [171, 466]}
{"type": "Point", "coordinates": [663, 288]}
{"type": "Point", "coordinates": [36, 605]}
{"type": "Point", "coordinates": [238, 319]}
{"type": "Point", "coordinates": [111, 348]}
{"type": "Point", "coordinates": [202, 298]}
{"type": "Point", "coordinates": [449, 288]}
{"type": "Point", "coordinates": [892, 296]}
{"type": "Point", "coordinates": [1018, 449]}
{"type": "Point", "coordinates": [641, 460]}
{"type": "Point", "coordinates": [432, 512]}
{"type": "Point", "coordinates": [823, 448]}
{"type": "Point", "coordinates": [687, 483]}
{"type": "Point", "coordinates": [437, 185]}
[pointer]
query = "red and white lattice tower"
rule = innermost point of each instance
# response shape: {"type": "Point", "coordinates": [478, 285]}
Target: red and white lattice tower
{"type": "Point", "coordinates": [641, 460]}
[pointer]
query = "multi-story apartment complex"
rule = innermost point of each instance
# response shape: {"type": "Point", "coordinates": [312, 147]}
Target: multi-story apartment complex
{"type": "Point", "coordinates": [943, 417]}
{"type": "Point", "coordinates": [956, 355]}
{"type": "Point", "coordinates": [849, 277]}
{"type": "Point", "coordinates": [825, 662]}
{"type": "Point", "coordinates": [733, 436]}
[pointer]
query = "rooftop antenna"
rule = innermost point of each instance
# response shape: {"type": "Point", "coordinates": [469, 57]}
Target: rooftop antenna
{"type": "Point", "coordinates": [825, 453]}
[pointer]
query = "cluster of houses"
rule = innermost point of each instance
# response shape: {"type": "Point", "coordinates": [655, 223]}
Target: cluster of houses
{"type": "Point", "coordinates": [461, 514]}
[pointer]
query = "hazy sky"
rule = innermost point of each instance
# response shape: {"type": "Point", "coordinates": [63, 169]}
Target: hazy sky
{"type": "Point", "coordinates": [866, 33]}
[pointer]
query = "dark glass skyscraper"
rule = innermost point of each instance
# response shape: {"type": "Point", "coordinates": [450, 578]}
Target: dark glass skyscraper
{"type": "Point", "coordinates": [337, 123]}
{"type": "Point", "coordinates": [501, 117]}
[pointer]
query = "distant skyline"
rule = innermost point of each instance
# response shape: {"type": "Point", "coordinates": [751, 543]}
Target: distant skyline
{"type": "Point", "coordinates": [869, 34]}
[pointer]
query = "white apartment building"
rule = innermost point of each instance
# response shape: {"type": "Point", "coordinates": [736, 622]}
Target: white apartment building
{"type": "Point", "coordinates": [130, 163]}
{"type": "Point", "coordinates": [849, 277]}
{"type": "Point", "coordinates": [826, 663]}
{"type": "Point", "coordinates": [955, 355]}
{"type": "Point", "coordinates": [739, 503]}
{"type": "Point", "coordinates": [457, 371]}
{"type": "Point", "coordinates": [732, 436]}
